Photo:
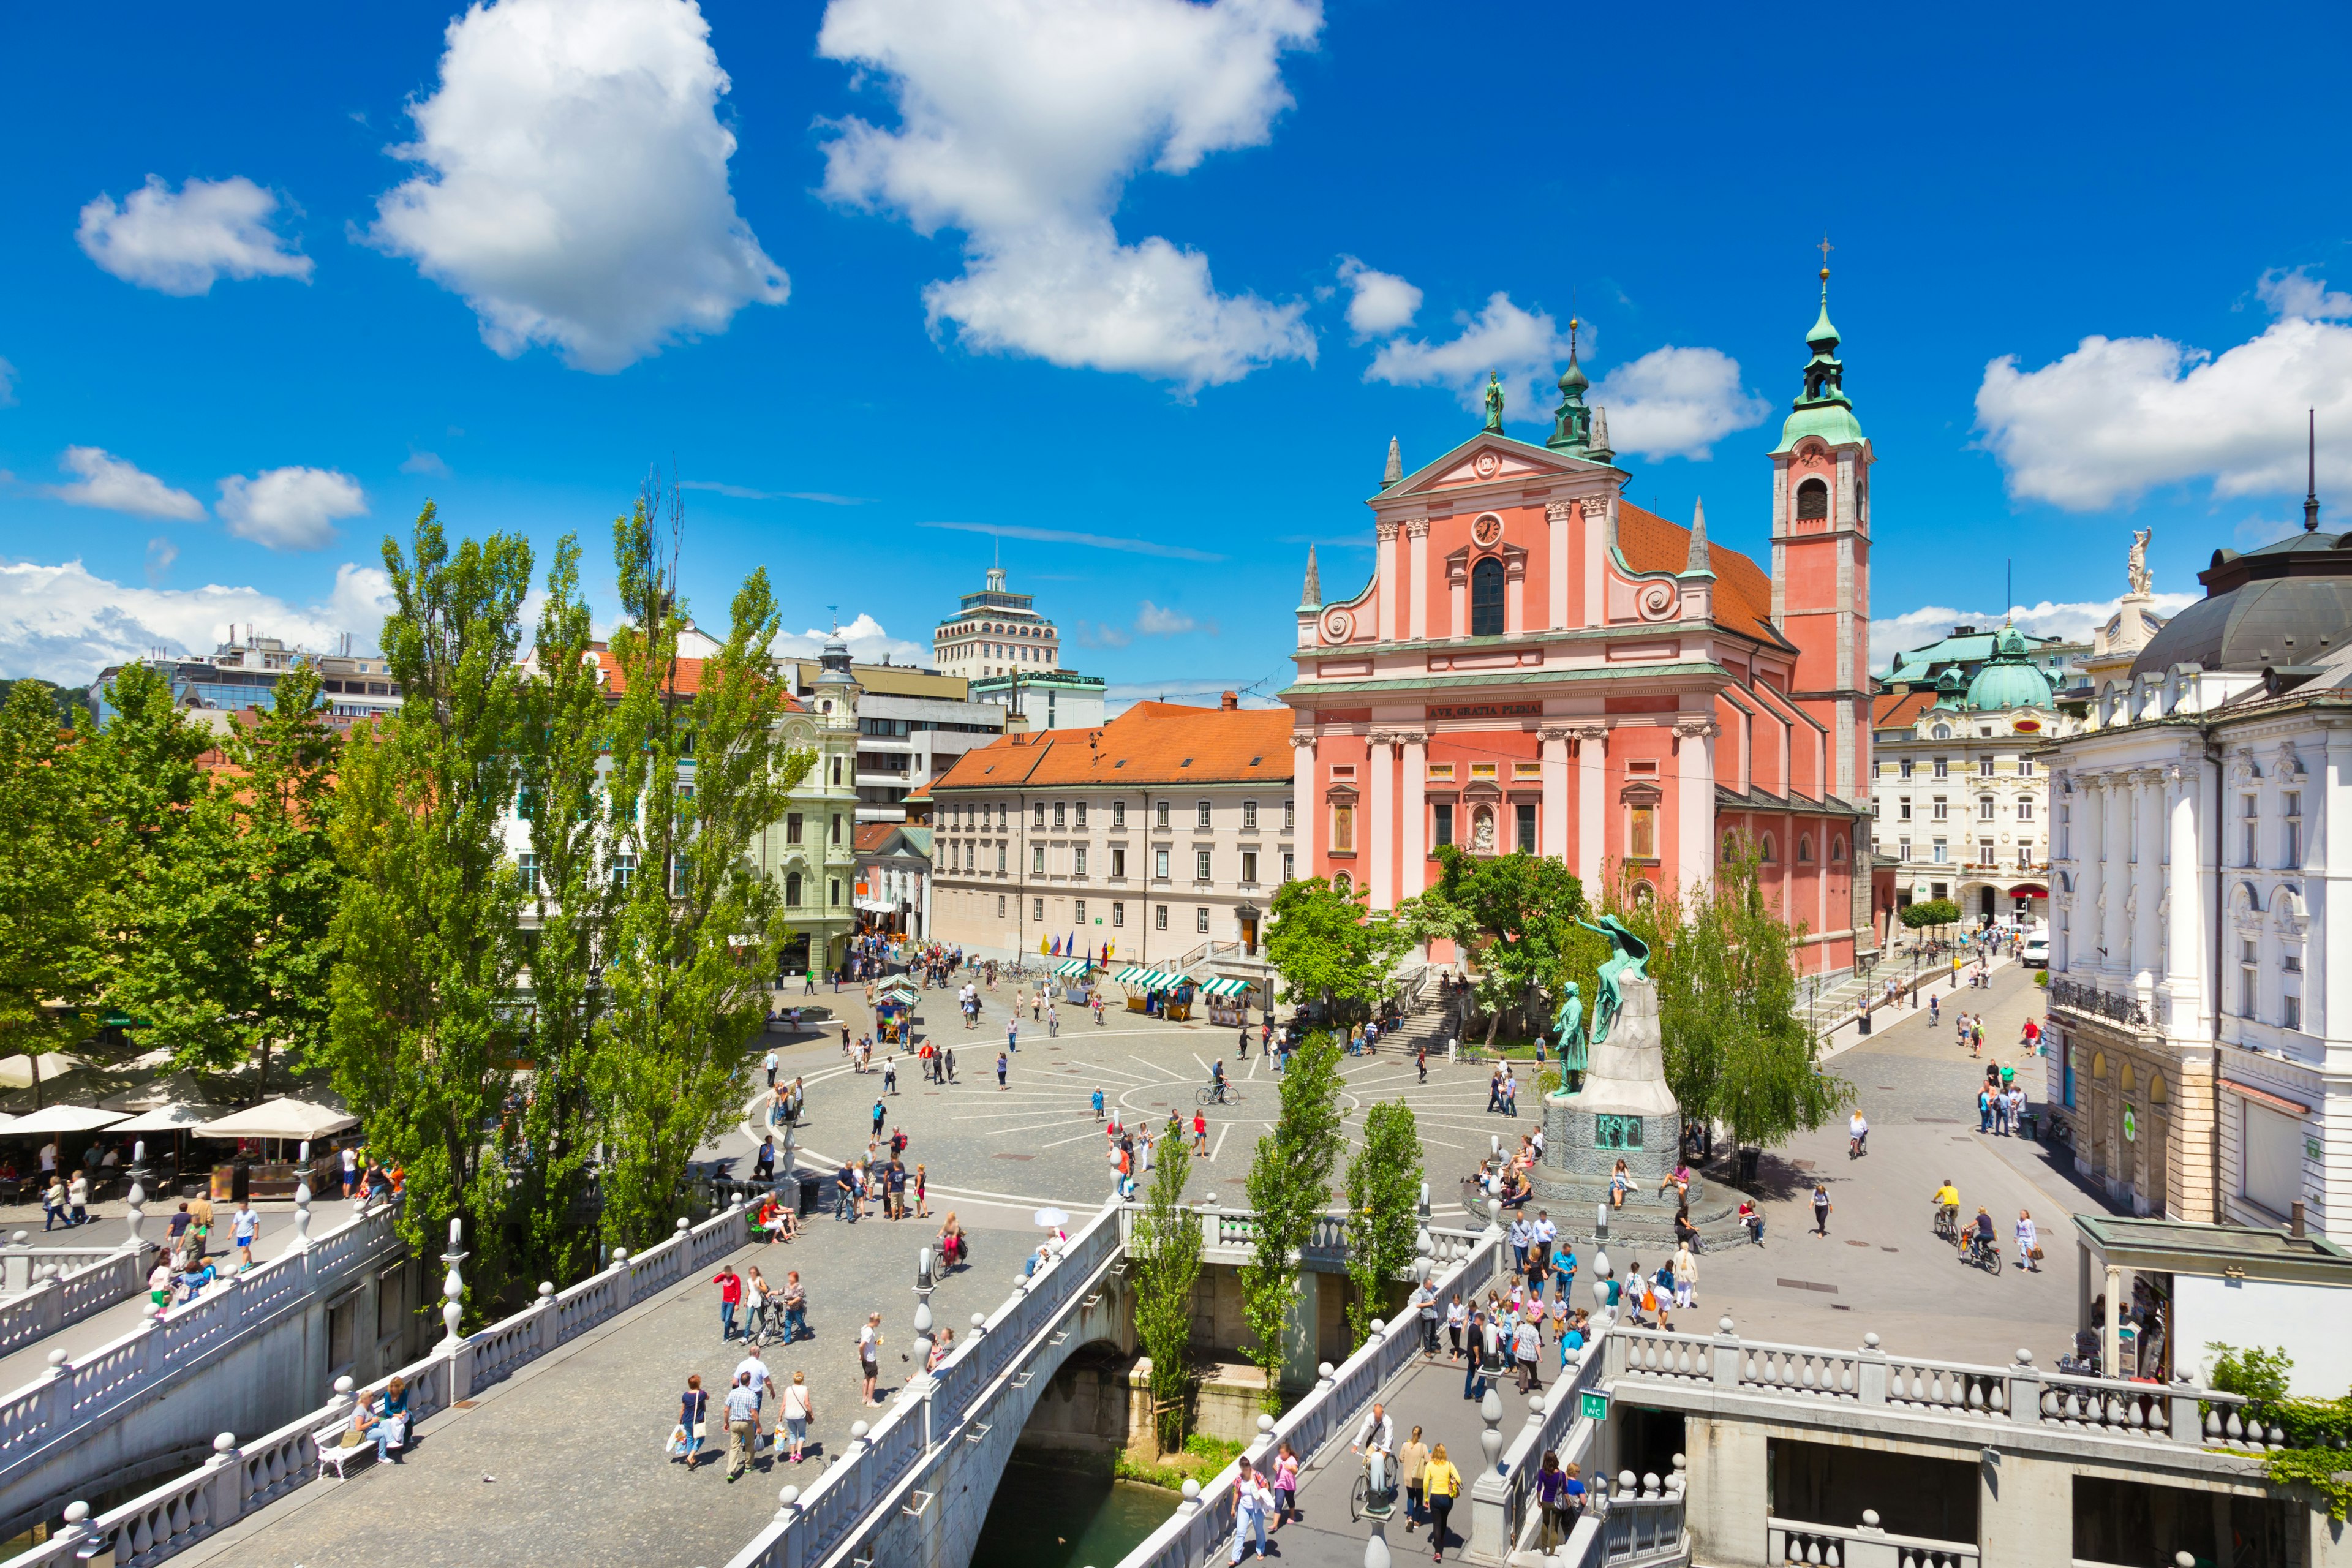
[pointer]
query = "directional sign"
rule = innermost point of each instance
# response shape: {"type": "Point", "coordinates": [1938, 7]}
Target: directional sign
{"type": "Point", "coordinates": [1595, 1406]}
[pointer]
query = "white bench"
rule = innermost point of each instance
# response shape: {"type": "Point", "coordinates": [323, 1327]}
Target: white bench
{"type": "Point", "coordinates": [333, 1455]}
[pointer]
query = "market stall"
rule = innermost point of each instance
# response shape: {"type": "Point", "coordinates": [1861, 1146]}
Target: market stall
{"type": "Point", "coordinates": [1073, 974]}
{"type": "Point", "coordinates": [1157, 992]}
{"type": "Point", "coordinates": [893, 1011]}
{"type": "Point", "coordinates": [262, 1134]}
{"type": "Point", "coordinates": [1228, 1002]}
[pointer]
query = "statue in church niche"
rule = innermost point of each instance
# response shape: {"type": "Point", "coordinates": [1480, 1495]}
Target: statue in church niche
{"type": "Point", "coordinates": [2137, 567]}
{"type": "Point", "coordinates": [1629, 954]}
{"type": "Point", "coordinates": [1568, 1025]}
{"type": "Point", "coordinates": [1482, 832]}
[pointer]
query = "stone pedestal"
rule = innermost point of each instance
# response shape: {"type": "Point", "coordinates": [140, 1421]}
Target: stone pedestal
{"type": "Point", "coordinates": [1623, 1110]}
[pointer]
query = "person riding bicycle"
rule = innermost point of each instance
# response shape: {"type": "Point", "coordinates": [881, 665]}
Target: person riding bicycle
{"type": "Point", "coordinates": [1217, 1080]}
{"type": "Point", "coordinates": [1948, 1205]}
{"type": "Point", "coordinates": [1980, 1231]}
{"type": "Point", "coordinates": [1376, 1443]}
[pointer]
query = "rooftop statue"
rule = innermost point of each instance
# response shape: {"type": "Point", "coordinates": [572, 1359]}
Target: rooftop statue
{"type": "Point", "coordinates": [2137, 567]}
{"type": "Point", "coordinates": [1629, 955]}
{"type": "Point", "coordinates": [1494, 401]}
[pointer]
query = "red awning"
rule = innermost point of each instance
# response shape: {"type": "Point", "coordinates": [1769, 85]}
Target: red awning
{"type": "Point", "coordinates": [2265, 1096]}
{"type": "Point", "coordinates": [2031, 890]}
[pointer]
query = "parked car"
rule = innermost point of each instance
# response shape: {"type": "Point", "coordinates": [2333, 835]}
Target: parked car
{"type": "Point", "coordinates": [2037, 952]}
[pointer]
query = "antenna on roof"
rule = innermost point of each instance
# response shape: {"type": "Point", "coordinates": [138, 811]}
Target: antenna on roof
{"type": "Point", "coordinates": [2311, 480]}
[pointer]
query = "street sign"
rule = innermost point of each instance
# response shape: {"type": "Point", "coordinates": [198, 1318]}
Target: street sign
{"type": "Point", "coordinates": [1595, 1406]}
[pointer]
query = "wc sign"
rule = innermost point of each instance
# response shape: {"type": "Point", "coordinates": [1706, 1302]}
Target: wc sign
{"type": "Point", "coordinates": [1595, 1405]}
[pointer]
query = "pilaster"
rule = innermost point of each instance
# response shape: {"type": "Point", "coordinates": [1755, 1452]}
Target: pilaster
{"type": "Point", "coordinates": [1591, 800]}
{"type": "Point", "coordinates": [1551, 741]}
{"type": "Point", "coordinates": [1416, 531]}
{"type": "Point", "coordinates": [1695, 801]}
{"type": "Point", "coordinates": [1308, 805]}
{"type": "Point", "coordinates": [1380, 824]}
{"type": "Point", "coordinates": [1555, 517]}
{"type": "Point", "coordinates": [1387, 532]}
{"type": "Point", "coordinates": [1413, 870]}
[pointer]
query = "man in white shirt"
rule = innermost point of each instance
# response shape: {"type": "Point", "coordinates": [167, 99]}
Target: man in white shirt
{"type": "Point", "coordinates": [1511, 1092]}
{"type": "Point", "coordinates": [1376, 1443]}
{"type": "Point", "coordinates": [245, 1228]}
{"type": "Point", "coordinates": [350, 1169]}
{"type": "Point", "coordinates": [755, 1371]}
{"type": "Point", "coordinates": [1424, 1301]}
{"type": "Point", "coordinates": [1520, 1235]}
{"type": "Point", "coordinates": [1540, 1237]}
{"type": "Point", "coordinates": [771, 1072]}
{"type": "Point", "coordinates": [49, 1158]}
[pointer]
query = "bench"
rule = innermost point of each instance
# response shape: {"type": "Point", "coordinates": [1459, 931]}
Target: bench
{"type": "Point", "coordinates": [333, 1455]}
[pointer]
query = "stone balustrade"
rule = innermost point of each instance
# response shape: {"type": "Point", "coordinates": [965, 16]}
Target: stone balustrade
{"type": "Point", "coordinates": [64, 1288]}
{"type": "Point", "coordinates": [1861, 1546]}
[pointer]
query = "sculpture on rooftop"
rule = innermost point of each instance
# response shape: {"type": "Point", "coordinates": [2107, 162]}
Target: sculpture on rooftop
{"type": "Point", "coordinates": [2137, 567]}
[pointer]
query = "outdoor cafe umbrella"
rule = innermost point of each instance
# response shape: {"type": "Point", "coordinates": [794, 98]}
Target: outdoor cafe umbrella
{"type": "Point", "coordinates": [280, 1118]}
{"type": "Point", "coordinates": [61, 1119]}
{"type": "Point", "coordinates": [167, 1118]}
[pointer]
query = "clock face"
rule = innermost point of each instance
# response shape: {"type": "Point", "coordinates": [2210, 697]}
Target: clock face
{"type": "Point", "coordinates": [1487, 530]}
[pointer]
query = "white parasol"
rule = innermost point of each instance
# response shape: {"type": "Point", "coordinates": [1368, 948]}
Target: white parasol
{"type": "Point", "coordinates": [61, 1119]}
{"type": "Point", "coordinates": [280, 1118]}
{"type": "Point", "coordinates": [1049, 1218]}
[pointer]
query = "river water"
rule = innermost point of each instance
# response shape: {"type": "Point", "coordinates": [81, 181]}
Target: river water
{"type": "Point", "coordinates": [1065, 1511]}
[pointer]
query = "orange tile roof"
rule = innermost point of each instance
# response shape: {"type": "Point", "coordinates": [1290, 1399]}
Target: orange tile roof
{"type": "Point", "coordinates": [1743, 595]}
{"type": "Point", "coordinates": [870, 837]}
{"type": "Point", "coordinates": [1151, 744]}
{"type": "Point", "coordinates": [1897, 709]}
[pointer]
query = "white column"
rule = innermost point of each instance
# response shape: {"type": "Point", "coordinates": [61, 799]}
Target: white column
{"type": "Point", "coordinates": [1552, 740]}
{"type": "Point", "coordinates": [1695, 801]}
{"type": "Point", "coordinates": [1414, 815]}
{"type": "Point", "coordinates": [1591, 802]}
{"type": "Point", "coordinates": [1380, 823]}
{"type": "Point", "coordinates": [1556, 563]}
{"type": "Point", "coordinates": [1595, 549]}
{"type": "Point", "coordinates": [2147, 877]}
{"type": "Point", "coordinates": [1306, 802]}
{"type": "Point", "coordinates": [2185, 965]}
{"type": "Point", "coordinates": [1388, 559]}
{"type": "Point", "coordinates": [2083, 938]}
{"type": "Point", "coordinates": [1417, 533]}
{"type": "Point", "coordinates": [2115, 932]}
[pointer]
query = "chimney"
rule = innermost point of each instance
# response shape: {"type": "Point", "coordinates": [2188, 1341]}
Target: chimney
{"type": "Point", "coordinates": [1228, 702]}
{"type": "Point", "coordinates": [2295, 1226]}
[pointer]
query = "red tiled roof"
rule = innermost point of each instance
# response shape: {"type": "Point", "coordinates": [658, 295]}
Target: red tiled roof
{"type": "Point", "coordinates": [1743, 594]}
{"type": "Point", "coordinates": [1898, 710]}
{"type": "Point", "coordinates": [1152, 744]}
{"type": "Point", "coordinates": [870, 839]}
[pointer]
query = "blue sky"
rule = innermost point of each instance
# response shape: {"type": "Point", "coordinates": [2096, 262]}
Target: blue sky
{"type": "Point", "coordinates": [1143, 288]}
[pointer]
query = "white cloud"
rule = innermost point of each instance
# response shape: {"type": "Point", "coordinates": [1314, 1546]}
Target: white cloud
{"type": "Point", "coordinates": [1101, 634]}
{"type": "Point", "coordinates": [577, 189]}
{"type": "Point", "coordinates": [1521, 346]}
{"type": "Point", "coordinates": [180, 244]}
{"type": "Point", "coordinates": [110, 484]}
{"type": "Point", "coordinates": [1154, 621]}
{"type": "Point", "coordinates": [289, 508]}
{"type": "Point", "coordinates": [1380, 302]}
{"type": "Point", "coordinates": [2120, 417]}
{"type": "Point", "coordinates": [2298, 293]}
{"type": "Point", "coordinates": [428, 464]}
{"type": "Point", "coordinates": [161, 554]}
{"type": "Point", "coordinates": [2073, 620]}
{"type": "Point", "coordinates": [67, 624]}
{"type": "Point", "coordinates": [1020, 123]}
{"type": "Point", "coordinates": [1676, 403]}
{"type": "Point", "coordinates": [7, 385]}
{"type": "Point", "coordinates": [867, 640]}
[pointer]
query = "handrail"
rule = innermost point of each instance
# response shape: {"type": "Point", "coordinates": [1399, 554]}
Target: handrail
{"type": "Point", "coordinates": [66, 1299]}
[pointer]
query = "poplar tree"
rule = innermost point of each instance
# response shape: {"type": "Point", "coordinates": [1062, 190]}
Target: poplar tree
{"type": "Point", "coordinates": [1383, 1187]}
{"type": "Point", "coordinates": [694, 927]}
{"type": "Point", "coordinates": [1289, 1187]}
{"type": "Point", "coordinates": [1167, 1259]}
{"type": "Point", "coordinates": [423, 1037]}
{"type": "Point", "coordinates": [50, 880]}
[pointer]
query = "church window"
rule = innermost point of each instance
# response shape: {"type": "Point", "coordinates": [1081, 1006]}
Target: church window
{"type": "Point", "coordinates": [1837, 851]}
{"type": "Point", "coordinates": [1526, 824]}
{"type": "Point", "coordinates": [1812, 501]}
{"type": "Point", "coordinates": [1486, 598]}
{"type": "Point", "coordinates": [1442, 815]}
{"type": "Point", "coordinates": [1805, 849]}
{"type": "Point", "coordinates": [1768, 854]}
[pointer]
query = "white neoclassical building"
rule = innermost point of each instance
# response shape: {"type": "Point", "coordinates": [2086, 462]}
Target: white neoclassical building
{"type": "Point", "coordinates": [2203, 902]}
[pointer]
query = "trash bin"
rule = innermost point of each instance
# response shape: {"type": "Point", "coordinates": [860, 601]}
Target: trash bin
{"type": "Point", "coordinates": [2029, 1124]}
{"type": "Point", "coordinates": [1749, 1161]}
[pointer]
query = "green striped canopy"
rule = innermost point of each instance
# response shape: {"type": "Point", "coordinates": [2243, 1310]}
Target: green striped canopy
{"type": "Point", "coordinates": [1225, 988]}
{"type": "Point", "coordinates": [1072, 966]}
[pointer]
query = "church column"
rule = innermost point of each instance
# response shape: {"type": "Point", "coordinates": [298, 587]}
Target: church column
{"type": "Point", "coordinates": [1694, 800]}
{"type": "Point", "coordinates": [2185, 960]}
{"type": "Point", "coordinates": [1555, 573]}
{"type": "Point", "coordinates": [1413, 815]}
{"type": "Point", "coordinates": [1389, 590]}
{"type": "Point", "coordinates": [1552, 743]}
{"type": "Point", "coordinates": [1306, 802]}
{"type": "Point", "coordinates": [2147, 880]}
{"type": "Point", "coordinates": [1379, 826]}
{"type": "Point", "coordinates": [1591, 803]}
{"type": "Point", "coordinates": [1417, 622]}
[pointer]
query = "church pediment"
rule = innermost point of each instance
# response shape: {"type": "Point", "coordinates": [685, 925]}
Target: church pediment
{"type": "Point", "coordinates": [1487, 459]}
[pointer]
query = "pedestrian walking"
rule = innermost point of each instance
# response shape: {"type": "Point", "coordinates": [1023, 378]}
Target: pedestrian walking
{"type": "Point", "coordinates": [796, 1411]}
{"type": "Point", "coordinates": [730, 1296]}
{"type": "Point", "coordinates": [244, 1225]}
{"type": "Point", "coordinates": [2028, 1249]}
{"type": "Point", "coordinates": [1200, 1135]}
{"type": "Point", "coordinates": [1457, 1318]}
{"type": "Point", "coordinates": [844, 1194]}
{"type": "Point", "coordinates": [1253, 1501]}
{"type": "Point", "coordinates": [1412, 1462]}
{"type": "Point", "coordinates": [1820, 1209]}
{"type": "Point", "coordinates": [1013, 1034]}
{"type": "Point", "coordinates": [869, 1354]}
{"type": "Point", "coordinates": [922, 1199]}
{"type": "Point", "coordinates": [890, 1074]}
{"type": "Point", "coordinates": [1685, 1275]}
{"type": "Point", "coordinates": [1441, 1483]}
{"type": "Point", "coordinates": [693, 1424]}
{"type": "Point", "coordinates": [1421, 1062]}
{"type": "Point", "coordinates": [1098, 1105]}
{"type": "Point", "coordinates": [1285, 1483]}
{"type": "Point", "coordinates": [1002, 1065]}
{"type": "Point", "coordinates": [743, 1428]}
{"type": "Point", "coordinates": [771, 1069]}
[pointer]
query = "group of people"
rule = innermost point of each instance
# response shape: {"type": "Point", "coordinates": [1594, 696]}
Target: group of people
{"type": "Point", "coordinates": [742, 1407]}
{"type": "Point", "coordinates": [881, 1178]}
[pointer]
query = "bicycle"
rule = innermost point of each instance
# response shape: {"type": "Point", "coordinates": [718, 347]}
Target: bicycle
{"type": "Point", "coordinates": [1363, 1502]}
{"type": "Point", "coordinates": [1224, 1094]}
{"type": "Point", "coordinates": [1981, 1251]}
{"type": "Point", "coordinates": [1947, 1222]}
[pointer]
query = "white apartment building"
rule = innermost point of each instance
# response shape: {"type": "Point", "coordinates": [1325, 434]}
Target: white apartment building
{"type": "Point", "coordinates": [2204, 902]}
{"type": "Point", "coordinates": [1161, 833]}
{"type": "Point", "coordinates": [912, 724]}
{"type": "Point", "coordinates": [1956, 797]}
{"type": "Point", "coordinates": [996, 632]}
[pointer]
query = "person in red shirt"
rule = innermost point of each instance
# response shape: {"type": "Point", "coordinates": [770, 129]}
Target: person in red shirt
{"type": "Point", "coordinates": [731, 1294]}
{"type": "Point", "coordinates": [1200, 1134]}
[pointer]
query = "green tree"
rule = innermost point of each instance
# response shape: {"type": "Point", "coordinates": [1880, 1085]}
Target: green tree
{"type": "Point", "coordinates": [71, 702]}
{"type": "Point", "coordinates": [1515, 914]}
{"type": "Point", "coordinates": [1736, 1049]}
{"type": "Point", "coordinates": [564, 893]}
{"type": "Point", "coordinates": [1289, 1187]}
{"type": "Point", "coordinates": [422, 1039]}
{"type": "Point", "coordinates": [695, 778]}
{"type": "Point", "coordinates": [238, 928]}
{"type": "Point", "coordinates": [1326, 945]}
{"type": "Point", "coordinates": [1930, 913]}
{"type": "Point", "coordinates": [141, 784]}
{"type": "Point", "coordinates": [1383, 1210]}
{"type": "Point", "coordinates": [49, 882]}
{"type": "Point", "coordinates": [1167, 1259]}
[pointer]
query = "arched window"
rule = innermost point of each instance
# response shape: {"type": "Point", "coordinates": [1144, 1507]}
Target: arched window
{"type": "Point", "coordinates": [1731, 846]}
{"type": "Point", "coordinates": [1486, 598]}
{"type": "Point", "coordinates": [1343, 884]}
{"type": "Point", "coordinates": [1805, 849]}
{"type": "Point", "coordinates": [2099, 1065]}
{"type": "Point", "coordinates": [2155, 1089]}
{"type": "Point", "coordinates": [1837, 849]}
{"type": "Point", "coordinates": [2130, 1079]}
{"type": "Point", "coordinates": [1812, 501]}
{"type": "Point", "coordinates": [1768, 854]}
{"type": "Point", "coordinates": [1943, 732]}
{"type": "Point", "coordinates": [792, 890]}
{"type": "Point", "coordinates": [1644, 895]}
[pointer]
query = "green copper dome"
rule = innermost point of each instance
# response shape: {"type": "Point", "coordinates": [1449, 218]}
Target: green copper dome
{"type": "Point", "coordinates": [2008, 679]}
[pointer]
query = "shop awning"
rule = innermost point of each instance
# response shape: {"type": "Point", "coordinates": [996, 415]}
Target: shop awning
{"type": "Point", "coordinates": [898, 990]}
{"type": "Point", "coordinates": [1073, 966]}
{"type": "Point", "coordinates": [1225, 988]}
{"type": "Point", "coordinates": [1132, 975]}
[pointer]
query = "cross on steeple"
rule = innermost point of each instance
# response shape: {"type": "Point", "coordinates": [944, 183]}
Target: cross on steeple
{"type": "Point", "coordinates": [1826, 247]}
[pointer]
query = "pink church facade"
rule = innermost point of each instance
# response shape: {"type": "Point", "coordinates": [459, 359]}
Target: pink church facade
{"type": "Point", "coordinates": [1538, 665]}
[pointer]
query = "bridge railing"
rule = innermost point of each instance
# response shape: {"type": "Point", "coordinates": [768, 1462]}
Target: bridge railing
{"type": "Point", "coordinates": [836, 1506]}
{"type": "Point", "coordinates": [76, 1393]}
{"type": "Point", "coordinates": [86, 1284]}
{"type": "Point", "coordinates": [2022, 1394]}
{"type": "Point", "coordinates": [1555, 1424]}
{"type": "Point", "coordinates": [1203, 1523]}
{"type": "Point", "coordinates": [239, 1479]}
